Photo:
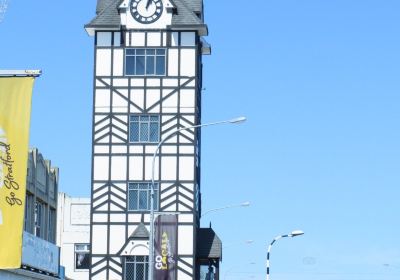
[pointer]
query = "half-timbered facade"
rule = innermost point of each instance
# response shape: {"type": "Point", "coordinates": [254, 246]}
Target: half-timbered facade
{"type": "Point", "coordinates": [147, 84]}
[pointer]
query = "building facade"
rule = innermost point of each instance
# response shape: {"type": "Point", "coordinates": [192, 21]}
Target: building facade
{"type": "Point", "coordinates": [40, 255]}
{"type": "Point", "coordinates": [73, 235]}
{"type": "Point", "coordinates": [41, 197]}
{"type": "Point", "coordinates": [147, 85]}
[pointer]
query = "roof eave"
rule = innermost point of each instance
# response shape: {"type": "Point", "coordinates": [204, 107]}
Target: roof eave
{"type": "Point", "coordinates": [92, 28]}
{"type": "Point", "coordinates": [202, 29]}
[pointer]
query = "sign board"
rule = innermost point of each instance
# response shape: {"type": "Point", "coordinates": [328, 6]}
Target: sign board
{"type": "Point", "coordinates": [40, 254]}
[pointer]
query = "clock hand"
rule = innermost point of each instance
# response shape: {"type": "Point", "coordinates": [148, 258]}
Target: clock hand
{"type": "Point", "coordinates": [148, 4]}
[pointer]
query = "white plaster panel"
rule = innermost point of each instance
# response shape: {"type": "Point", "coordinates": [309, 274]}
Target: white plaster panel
{"type": "Point", "coordinates": [188, 39]}
{"type": "Point", "coordinates": [134, 218]}
{"type": "Point", "coordinates": [115, 266]}
{"type": "Point", "coordinates": [117, 39]}
{"type": "Point", "coordinates": [186, 201]}
{"type": "Point", "coordinates": [164, 37]}
{"type": "Point", "coordinates": [148, 170]}
{"type": "Point", "coordinates": [173, 139]}
{"type": "Point", "coordinates": [117, 218]}
{"type": "Point", "coordinates": [169, 192]}
{"type": "Point", "coordinates": [112, 275]}
{"type": "Point", "coordinates": [168, 171]}
{"type": "Point", "coordinates": [137, 97]}
{"type": "Point", "coordinates": [99, 218]}
{"type": "Point", "coordinates": [185, 218]}
{"type": "Point", "coordinates": [171, 208]}
{"type": "Point", "coordinates": [118, 59]}
{"type": "Point", "coordinates": [122, 118]}
{"type": "Point", "coordinates": [169, 149]}
{"type": "Point", "coordinates": [127, 39]}
{"type": "Point", "coordinates": [186, 168]}
{"type": "Point", "coordinates": [117, 235]}
{"type": "Point", "coordinates": [119, 104]}
{"type": "Point", "coordinates": [100, 276]}
{"type": "Point", "coordinates": [170, 83]}
{"type": "Point", "coordinates": [187, 193]}
{"type": "Point", "coordinates": [97, 186]}
{"type": "Point", "coordinates": [137, 82]}
{"type": "Point", "coordinates": [153, 82]}
{"type": "Point", "coordinates": [183, 276]}
{"type": "Point", "coordinates": [186, 149]}
{"type": "Point", "coordinates": [187, 98]}
{"type": "Point", "coordinates": [121, 82]}
{"type": "Point", "coordinates": [100, 265]}
{"type": "Point", "coordinates": [153, 39]}
{"type": "Point", "coordinates": [183, 208]}
{"type": "Point", "coordinates": [150, 149]}
{"type": "Point", "coordinates": [119, 149]}
{"type": "Point", "coordinates": [100, 168]}
{"type": "Point", "coordinates": [101, 133]}
{"type": "Point", "coordinates": [174, 39]}
{"type": "Point", "coordinates": [105, 140]}
{"type": "Point", "coordinates": [189, 186]}
{"type": "Point", "coordinates": [102, 98]}
{"type": "Point", "coordinates": [135, 168]}
{"type": "Point", "coordinates": [100, 201]}
{"type": "Point", "coordinates": [138, 39]}
{"type": "Point", "coordinates": [188, 110]}
{"type": "Point", "coordinates": [171, 101]}
{"type": "Point", "coordinates": [103, 62]}
{"type": "Point", "coordinates": [188, 62]}
{"type": "Point", "coordinates": [170, 109]}
{"type": "Point", "coordinates": [101, 149]}
{"type": "Point", "coordinates": [185, 267]}
{"type": "Point", "coordinates": [103, 39]}
{"type": "Point", "coordinates": [136, 149]}
{"type": "Point", "coordinates": [152, 97]}
{"type": "Point", "coordinates": [118, 168]}
{"type": "Point", "coordinates": [172, 62]}
{"type": "Point", "coordinates": [167, 201]}
{"type": "Point", "coordinates": [185, 240]}
{"type": "Point", "coordinates": [155, 109]}
{"type": "Point", "coordinates": [99, 239]}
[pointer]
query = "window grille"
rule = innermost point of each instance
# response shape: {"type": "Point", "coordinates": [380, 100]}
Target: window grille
{"type": "Point", "coordinates": [139, 195]}
{"type": "Point", "coordinates": [144, 128]}
{"type": "Point", "coordinates": [136, 268]}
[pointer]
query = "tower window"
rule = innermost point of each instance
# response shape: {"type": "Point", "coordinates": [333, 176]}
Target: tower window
{"type": "Point", "coordinates": [139, 195]}
{"type": "Point", "coordinates": [144, 128]}
{"type": "Point", "coordinates": [145, 62]}
{"type": "Point", "coordinates": [136, 268]}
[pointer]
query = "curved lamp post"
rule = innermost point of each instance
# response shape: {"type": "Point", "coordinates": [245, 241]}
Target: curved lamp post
{"type": "Point", "coordinates": [292, 234]}
{"type": "Point", "coordinates": [168, 136]}
{"type": "Point", "coordinates": [243, 204]}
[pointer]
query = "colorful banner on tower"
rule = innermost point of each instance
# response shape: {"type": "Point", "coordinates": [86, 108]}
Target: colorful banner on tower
{"type": "Point", "coordinates": [15, 111]}
{"type": "Point", "coordinates": [165, 244]}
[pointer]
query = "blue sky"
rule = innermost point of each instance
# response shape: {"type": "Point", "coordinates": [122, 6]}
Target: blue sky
{"type": "Point", "coordinates": [319, 83]}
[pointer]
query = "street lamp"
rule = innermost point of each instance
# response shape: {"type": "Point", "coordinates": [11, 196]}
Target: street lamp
{"type": "Point", "coordinates": [243, 204]}
{"type": "Point", "coordinates": [168, 136]}
{"type": "Point", "coordinates": [292, 234]}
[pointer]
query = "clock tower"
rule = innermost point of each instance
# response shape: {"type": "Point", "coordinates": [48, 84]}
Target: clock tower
{"type": "Point", "coordinates": [147, 85]}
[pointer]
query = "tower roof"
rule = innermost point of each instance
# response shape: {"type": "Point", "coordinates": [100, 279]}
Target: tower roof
{"type": "Point", "coordinates": [189, 13]}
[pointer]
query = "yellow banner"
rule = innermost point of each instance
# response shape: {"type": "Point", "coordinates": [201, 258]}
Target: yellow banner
{"type": "Point", "coordinates": [15, 111]}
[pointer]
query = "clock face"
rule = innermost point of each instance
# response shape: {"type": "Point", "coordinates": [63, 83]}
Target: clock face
{"type": "Point", "coordinates": [146, 11]}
